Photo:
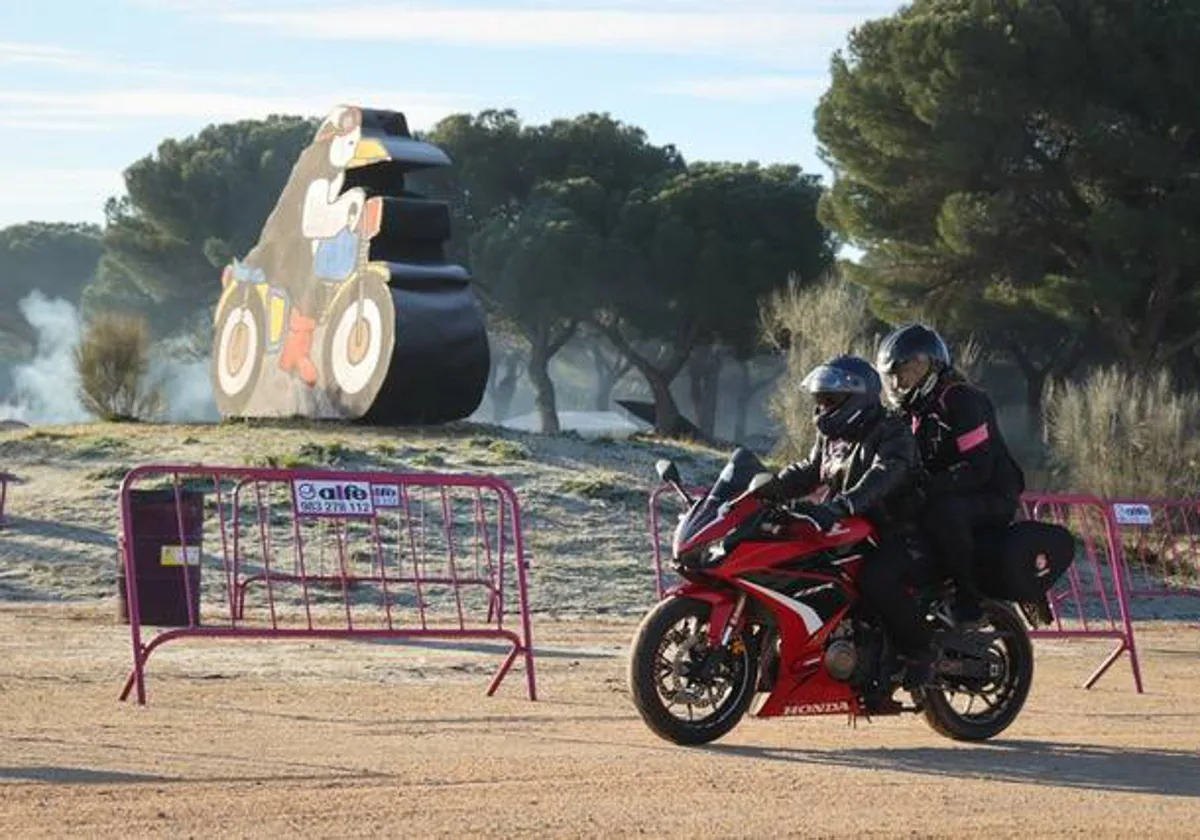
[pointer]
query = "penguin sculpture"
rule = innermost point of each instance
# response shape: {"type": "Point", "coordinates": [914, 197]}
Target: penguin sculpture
{"type": "Point", "coordinates": [346, 307]}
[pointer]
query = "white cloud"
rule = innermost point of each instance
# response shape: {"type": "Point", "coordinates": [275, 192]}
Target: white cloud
{"type": "Point", "coordinates": [45, 186]}
{"type": "Point", "coordinates": [871, 7]}
{"type": "Point", "coordinates": [55, 57]}
{"type": "Point", "coordinates": [52, 124]}
{"type": "Point", "coordinates": [50, 55]}
{"type": "Point", "coordinates": [793, 36]}
{"type": "Point", "coordinates": [749, 88]}
{"type": "Point", "coordinates": [40, 193]}
{"type": "Point", "coordinates": [210, 5]}
{"type": "Point", "coordinates": [80, 110]}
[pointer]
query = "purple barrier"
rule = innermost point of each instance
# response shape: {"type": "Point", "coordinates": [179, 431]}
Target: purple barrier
{"type": "Point", "coordinates": [264, 553]}
{"type": "Point", "coordinates": [1160, 541]}
{"type": "Point", "coordinates": [4, 479]}
{"type": "Point", "coordinates": [1090, 600]}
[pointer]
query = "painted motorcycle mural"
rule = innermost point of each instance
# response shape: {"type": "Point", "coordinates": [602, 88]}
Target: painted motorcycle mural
{"type": "Point", "coordinates": [346, 306]}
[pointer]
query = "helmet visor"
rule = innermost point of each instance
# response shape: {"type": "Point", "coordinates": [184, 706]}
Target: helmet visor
{"type": "Point", "coordinates": [827, 402]}
{"type": "Point", "coordinates": [826, 379]}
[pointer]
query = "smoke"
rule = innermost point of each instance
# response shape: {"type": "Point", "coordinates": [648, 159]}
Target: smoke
{"type": "Point", "coordinates": [186, 384]}
{"type": "Point", "coordinates": [45, 389]}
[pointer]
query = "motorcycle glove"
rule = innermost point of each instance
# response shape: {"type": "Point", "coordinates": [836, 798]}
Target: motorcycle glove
{"type": "Point", "coordinates": [826, 515]}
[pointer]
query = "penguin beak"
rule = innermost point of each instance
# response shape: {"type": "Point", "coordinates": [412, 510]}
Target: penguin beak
{"type": "Point", "coordinates": [368, 151]}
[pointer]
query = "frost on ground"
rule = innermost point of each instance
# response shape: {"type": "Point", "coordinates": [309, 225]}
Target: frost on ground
{"type": "Point", "coordinates": [583, 500]}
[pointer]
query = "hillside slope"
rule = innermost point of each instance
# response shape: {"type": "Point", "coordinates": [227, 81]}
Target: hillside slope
{"type": "Point", "coordinates": [584, 500]}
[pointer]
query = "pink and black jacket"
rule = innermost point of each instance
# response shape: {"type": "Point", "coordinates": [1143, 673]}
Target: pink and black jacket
{"type": "Point", "coordinates": [961, 446]}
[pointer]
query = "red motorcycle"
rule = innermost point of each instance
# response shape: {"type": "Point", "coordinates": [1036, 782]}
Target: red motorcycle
{"type": "Point", "coordinates": [768, 619]}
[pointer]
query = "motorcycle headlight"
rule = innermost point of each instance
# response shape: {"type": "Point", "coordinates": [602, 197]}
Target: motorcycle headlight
{"type": "Point", "coordinates": [702, 557]}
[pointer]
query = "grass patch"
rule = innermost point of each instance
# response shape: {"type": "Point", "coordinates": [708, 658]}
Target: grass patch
{"type": "Point", "coordinates": [490, 452]}
{"type": "Point", "coordinates": [602, 486]}
{"type": "Point", "coordinates": [270, 461]}
{"type": "Point", "coordinates": [331, 455]}
{"type": "Point", "coordinates": [428, 459]}
{"type": "Point", "coordinates": [39, 434]}
{"type": "Point", "coordinates": [36, 443]}
{"type": "Point", "coordinates": [311, 456]}
{"type": "Point", "coordinates": [276, 461]}
{"type": "Point", "coordinates": [498, 451]}
{"type": "Point", "coordinates": [101, 447]}
{"type": "Point", "coordinates": [109, 475]}
{"type": "Point", "coordinates": [509, 450]}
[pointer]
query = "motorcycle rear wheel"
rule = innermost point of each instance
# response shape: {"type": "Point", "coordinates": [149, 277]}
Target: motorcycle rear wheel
{"type": "Point", "coordinates": [686, 691]}
{"type": "Point", "coordinates": [1002, 697]}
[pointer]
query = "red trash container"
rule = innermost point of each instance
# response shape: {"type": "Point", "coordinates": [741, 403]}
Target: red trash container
{"type": "Point", "coordinates": [167, 569]}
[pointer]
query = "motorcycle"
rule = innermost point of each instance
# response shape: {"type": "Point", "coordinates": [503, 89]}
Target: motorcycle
{"type": "Point", "coordinates": [768, 620]}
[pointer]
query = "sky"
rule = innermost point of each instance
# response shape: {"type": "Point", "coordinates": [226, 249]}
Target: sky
{"type": "Point", "coordinates": [89, 86]}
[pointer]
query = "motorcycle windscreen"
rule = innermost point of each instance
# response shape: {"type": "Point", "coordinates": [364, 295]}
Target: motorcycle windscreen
{"type": "Point", "coordinates": [733, 481]}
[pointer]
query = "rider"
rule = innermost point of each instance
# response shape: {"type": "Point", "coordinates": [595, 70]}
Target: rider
{"type": "Point", "coordinates": [971, 478]}
{"type": "Point", "coordinates": [867, 458]}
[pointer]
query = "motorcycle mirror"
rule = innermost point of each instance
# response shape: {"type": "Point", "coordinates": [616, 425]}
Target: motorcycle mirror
{"type": "Point", "coordinates": [667, 471]}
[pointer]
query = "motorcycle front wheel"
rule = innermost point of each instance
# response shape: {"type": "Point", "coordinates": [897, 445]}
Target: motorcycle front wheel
{"type": "Point", "coordinates": [687, 690]}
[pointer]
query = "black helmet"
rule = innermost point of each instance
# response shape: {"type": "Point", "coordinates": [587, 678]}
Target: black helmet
{"type": "Point", "coordinates": [905, 345]}
{"type": "Point", "coordinates": [847, 391]}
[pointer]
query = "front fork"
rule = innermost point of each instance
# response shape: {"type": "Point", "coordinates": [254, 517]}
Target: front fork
{"type": "Point", "coordinates": [732, 622]}
{"type": "Point", "coordinates": [726, 612]}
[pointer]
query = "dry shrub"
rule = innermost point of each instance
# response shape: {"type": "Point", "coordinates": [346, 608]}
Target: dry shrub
{"type": "Point", "coordinates": [810, 325]}
{"type": "Point", "coordinates": [113, 363]}
{"type": "Point", "coordinates": [969, 358]}
{"type": "Point", "coordinates": [1116, 434]}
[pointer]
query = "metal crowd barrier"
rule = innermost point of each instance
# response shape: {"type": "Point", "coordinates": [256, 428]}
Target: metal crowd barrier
{"type": "Point", "coordinates": [229, 552]}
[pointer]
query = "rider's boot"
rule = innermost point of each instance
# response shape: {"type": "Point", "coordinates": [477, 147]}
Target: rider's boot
{"type": "Point", "coordinates": [1038, 613]}
{"type": "Point", "coordinates": [877, 697]}
{"type": "Point", "coordinates": [297, 348]}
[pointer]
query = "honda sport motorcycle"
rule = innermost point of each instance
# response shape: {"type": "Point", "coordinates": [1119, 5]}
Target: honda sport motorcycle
{"type": "Point", "coordinates": [768, 620]}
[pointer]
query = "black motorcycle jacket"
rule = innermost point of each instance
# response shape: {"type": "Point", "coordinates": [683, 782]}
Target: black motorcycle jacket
{"type": "Point", "coordinates": [872, 477]}
{"type": "Point", "coordinates": [961, 447]}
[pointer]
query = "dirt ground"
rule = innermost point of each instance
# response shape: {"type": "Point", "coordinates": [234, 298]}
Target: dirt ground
{"type": "Point", "coordinates": [334, 739]}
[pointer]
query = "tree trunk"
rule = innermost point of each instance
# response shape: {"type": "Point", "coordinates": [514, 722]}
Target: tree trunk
{"type": "Point", "coordinates": [1162, 300]}
{"type": "Point", "coordinates": [1060, 363]}
{"type": "Point", "coordinates": [544, 342]}
{"type": "Point", "coordinates": [604, 389]}
{"type": "Point", "coordinates": [1035, 392]}
{"type": "Point", "coordinates": [1035, 384]}
{"type": "Point", "coordinates": [704, 370]}
{"type": "Point", "coordinates": [666, 411]}
{"type": "Point", "coordinates": [744, 393]}
{"type": "Point", "coordinates": [504, 385]}
{"type": "Point", "coordinates": [608, 374]}
{"type": "Point", "coordinates": [747, 390]}
{"type": "Point", "coordinates": [658, 376]}
{"type": "Point", "coordinates": [543, 389]}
